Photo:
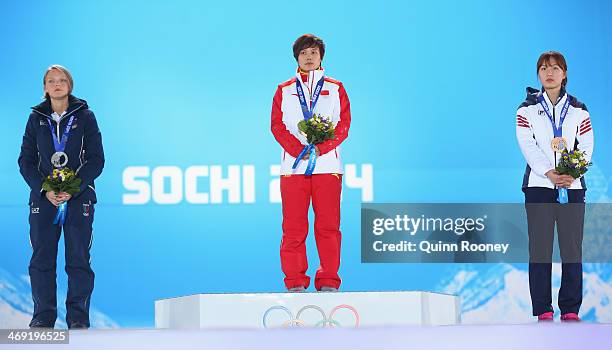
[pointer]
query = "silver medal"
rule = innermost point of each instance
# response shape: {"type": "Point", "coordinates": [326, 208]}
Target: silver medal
{"type": "Point", "coordinates": [59, 159]}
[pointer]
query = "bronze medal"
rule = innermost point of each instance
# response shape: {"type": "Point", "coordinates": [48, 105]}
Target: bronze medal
{"type": "Point", "coordinates": [559, 144]}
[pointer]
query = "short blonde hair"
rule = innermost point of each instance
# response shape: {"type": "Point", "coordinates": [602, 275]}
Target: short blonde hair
{"type": "Point", "coordinates": [63, 70]}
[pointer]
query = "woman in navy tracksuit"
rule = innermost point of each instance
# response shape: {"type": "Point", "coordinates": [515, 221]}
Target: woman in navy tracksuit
{"type": "Point", "coordinates": [61, 114]}
{"type": "Point", "coordinates": [548, 122]}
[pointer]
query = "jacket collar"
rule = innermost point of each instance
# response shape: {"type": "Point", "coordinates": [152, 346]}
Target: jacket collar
{"type": "Point", "coordinates": [562, 96]}
{"type": "Point", "coordinates": [312, 77]}
{"type": "Point", "coordinates": [74, 103]}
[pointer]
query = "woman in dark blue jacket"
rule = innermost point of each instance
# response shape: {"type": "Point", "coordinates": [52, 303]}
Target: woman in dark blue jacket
{"type": "Point", "coordinates": [61, 132]}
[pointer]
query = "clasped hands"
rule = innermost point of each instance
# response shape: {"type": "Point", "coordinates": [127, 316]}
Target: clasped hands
{"type": "Point", "coordinates": [562, 181]}
{"type": "Point", "coordinates": [58, 198]}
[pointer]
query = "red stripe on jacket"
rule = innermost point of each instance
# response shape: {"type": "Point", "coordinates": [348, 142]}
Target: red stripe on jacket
{"type": "Point", "coordinates": [522, 121]}
{"type": "Point", "coordinates": [290, 143]}
{"type": "Point", "coordinates": [344, 124]}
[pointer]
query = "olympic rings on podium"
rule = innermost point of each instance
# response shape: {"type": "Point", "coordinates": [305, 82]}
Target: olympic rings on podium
{"type": "Point", "coordinates": [298, 322]}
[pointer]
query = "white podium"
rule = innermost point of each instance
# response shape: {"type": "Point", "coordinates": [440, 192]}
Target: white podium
{"type": "Point", "coordinates": [278, 310]}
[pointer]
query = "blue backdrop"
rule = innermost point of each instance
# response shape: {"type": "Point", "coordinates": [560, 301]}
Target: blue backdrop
{"type": "Point", "coordinates": [434, 86]}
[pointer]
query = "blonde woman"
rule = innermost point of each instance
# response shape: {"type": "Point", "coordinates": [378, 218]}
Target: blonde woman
{"type": "Point", "coordinates": [61, 132]}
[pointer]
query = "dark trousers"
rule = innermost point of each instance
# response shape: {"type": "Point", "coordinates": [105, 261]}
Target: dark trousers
{"type": "Point", "coordinates": [543, 212]}
{"type": "Point", "coordinates": [44, 237]}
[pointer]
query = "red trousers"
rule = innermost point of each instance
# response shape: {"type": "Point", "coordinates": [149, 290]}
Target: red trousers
{"type": "Point", "coordinates": [296, 192]}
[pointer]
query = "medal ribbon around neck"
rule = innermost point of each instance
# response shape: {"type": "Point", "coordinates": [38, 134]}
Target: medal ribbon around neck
{"type": "Point", "coordinates": [308, 113]}
{"type": "Point", "coordinates": [60, 145]}
{"type": "Point", "coordinates": [557, 131]}
{"type": "Point", "coordinates": [563, 195]}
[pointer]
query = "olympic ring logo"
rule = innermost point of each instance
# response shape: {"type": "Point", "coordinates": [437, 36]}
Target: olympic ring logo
{"type": "Point", "coordinates": [325, 322]}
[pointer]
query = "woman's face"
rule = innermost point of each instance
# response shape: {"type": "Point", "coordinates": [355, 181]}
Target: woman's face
{"type": "Point", "coordinates": [56, 84]}
{"type": "Point", "coordinates": [551, 74]}
{"type": "Point", "coordinates": [309, 59]}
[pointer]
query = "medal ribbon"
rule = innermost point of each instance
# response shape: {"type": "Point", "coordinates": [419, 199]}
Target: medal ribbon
{"type": "Point", "coordinates": [557, 131]}
{"type": "Point", "coordinates": [563, 195]}
{"type": "Point", "coordinates": [60, 145]}
{"type": "Point", "coordinates": [60, 217]}
{"type": "Point", "coordinates": [312, 159]}
{"type": "Point", "coordinates": [308, 112]}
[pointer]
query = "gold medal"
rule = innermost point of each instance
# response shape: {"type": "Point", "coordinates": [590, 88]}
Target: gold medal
{"type": "Point", "coordinates": [558, 144]}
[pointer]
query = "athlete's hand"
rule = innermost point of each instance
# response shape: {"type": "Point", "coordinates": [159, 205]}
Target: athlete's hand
{"type": "Point", "coordinates": [307, 155]}
{"type": "Point", "coordinates": [52, 197]}
{"type": "Point", "coordinates": [63, 197]}
{"type": "Point", "coordinates": [565, 181]}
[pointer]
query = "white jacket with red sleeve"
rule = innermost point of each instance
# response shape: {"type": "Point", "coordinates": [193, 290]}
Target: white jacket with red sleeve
{"type": "Point", "coordinates": [287, 113]}
{"type": "Point", "coordinates": [535, 133]}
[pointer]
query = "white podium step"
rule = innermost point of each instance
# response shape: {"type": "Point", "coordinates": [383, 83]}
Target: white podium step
{"type": "Point", "coordinates": [340, 309]}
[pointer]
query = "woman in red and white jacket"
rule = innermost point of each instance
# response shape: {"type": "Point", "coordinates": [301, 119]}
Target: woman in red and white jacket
{"type": "Point", "coordinates": [545, 120]}
{"type": "Point", "coordinates": [324, 186]}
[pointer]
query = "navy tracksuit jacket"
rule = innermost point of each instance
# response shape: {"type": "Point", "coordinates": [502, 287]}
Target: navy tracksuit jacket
{"type": "Point", "coordinates": [86, 157]}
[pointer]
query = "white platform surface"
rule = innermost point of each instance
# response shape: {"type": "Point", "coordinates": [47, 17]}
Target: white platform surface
{"type": "Point", "coordinates": [461, 337]}
{"type": "Point", "coordinates": [344, 309]}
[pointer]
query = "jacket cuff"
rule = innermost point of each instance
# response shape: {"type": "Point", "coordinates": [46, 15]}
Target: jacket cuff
{"type": "Point", "coordinates": [295, 152]}
{"type": "Point", "coordinates": [325, 148]}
